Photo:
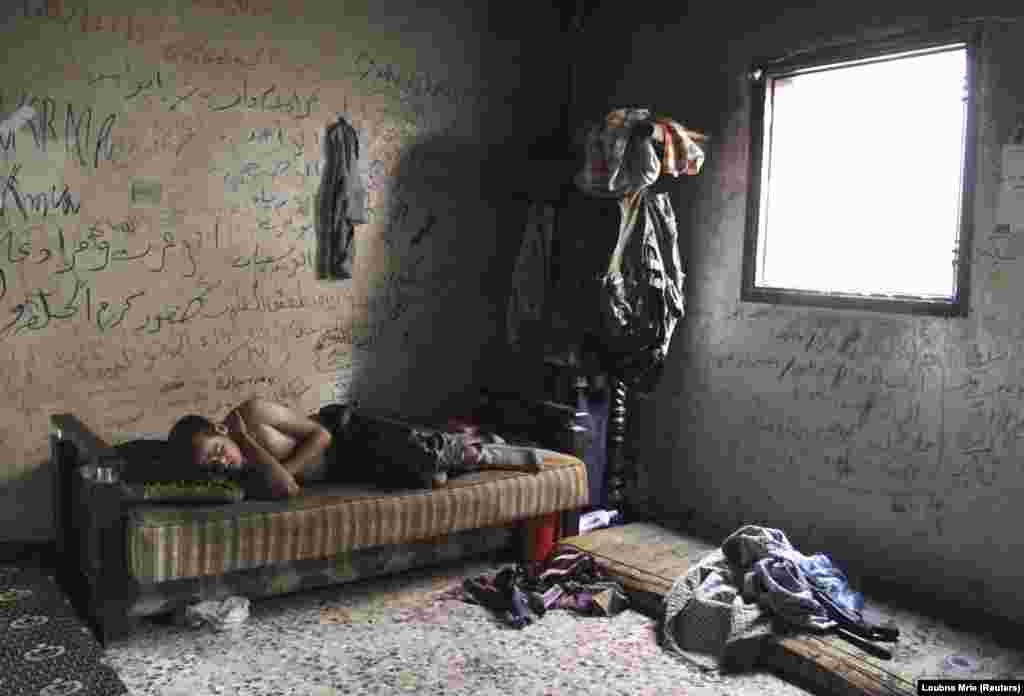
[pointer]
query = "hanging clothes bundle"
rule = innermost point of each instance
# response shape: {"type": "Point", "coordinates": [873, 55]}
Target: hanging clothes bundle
{"type": "Point", "coordinates": [642, 289]}
{"type": "Point", "coordinates": [341, 201]}
{"type": "Point", "coordinates": [531, 276]}
{"type": "Point", "coordinates": [630, 149]}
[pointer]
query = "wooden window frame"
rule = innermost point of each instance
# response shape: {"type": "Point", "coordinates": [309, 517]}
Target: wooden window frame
{"type": "Point", "coordinates": [761, 73]}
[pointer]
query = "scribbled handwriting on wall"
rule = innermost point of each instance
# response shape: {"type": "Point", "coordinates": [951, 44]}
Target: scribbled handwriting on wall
{"type": "Point", "coordinates": [35, 203]}
{"type": "Point", "coordinates": [86, 140]}
{"type": "Point", "coordinates": [77, 15]}
{"type": "Point", "coordinates": [896, 409]}
{"type": "Point", "coordinates": [370, 70]}
{"type": "Point", "coordinates": [236, 7]}
{"type": "Point", "coordinates": [265, 99]}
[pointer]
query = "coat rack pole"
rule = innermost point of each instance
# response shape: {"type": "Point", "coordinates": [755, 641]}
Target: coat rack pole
{"type": "Point", "coordinates": [617, 474]}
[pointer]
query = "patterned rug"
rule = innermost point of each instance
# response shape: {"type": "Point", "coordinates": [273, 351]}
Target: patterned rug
{"type": "Point", "coordinates": [45, 650]}
{"type": "Point", "coordinates": [405, 634]}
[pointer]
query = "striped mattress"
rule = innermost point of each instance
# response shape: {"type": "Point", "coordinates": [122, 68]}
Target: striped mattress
{"type": "Point", "coordinates": [166, 542]}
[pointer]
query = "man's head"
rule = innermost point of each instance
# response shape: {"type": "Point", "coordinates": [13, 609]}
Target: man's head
{"type": "Point", "coordinates": [200, 442]}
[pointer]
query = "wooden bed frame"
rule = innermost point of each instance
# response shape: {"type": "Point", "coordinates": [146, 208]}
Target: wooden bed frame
{"type": "Point", "coordinates": [90, 509]}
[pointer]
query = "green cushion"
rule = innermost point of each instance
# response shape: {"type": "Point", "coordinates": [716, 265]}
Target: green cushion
{"type": "Point", "coordinates": [178, 492]}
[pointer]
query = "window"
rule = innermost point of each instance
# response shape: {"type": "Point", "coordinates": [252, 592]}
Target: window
{"type": "Point", "coordinates": [861, 172]}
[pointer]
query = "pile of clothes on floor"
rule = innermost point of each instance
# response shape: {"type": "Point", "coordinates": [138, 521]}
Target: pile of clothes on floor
{"type": "Point", "coordinates": [755, 586]}
{"type": "Point", "coordinates": [567, 579]}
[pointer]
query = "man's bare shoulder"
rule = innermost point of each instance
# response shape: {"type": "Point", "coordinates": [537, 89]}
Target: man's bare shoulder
{"type": "Point", "coordinates": [258, 410]}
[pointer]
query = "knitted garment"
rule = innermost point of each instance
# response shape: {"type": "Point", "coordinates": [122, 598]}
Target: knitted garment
{"type": "Point", "coordinates": [721, 609]}
{"type": "Point", "coordinates": [706, 619]}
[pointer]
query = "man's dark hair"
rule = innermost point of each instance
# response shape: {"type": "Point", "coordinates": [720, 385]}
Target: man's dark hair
{"type": "Point", "coordinates": [179, 440]}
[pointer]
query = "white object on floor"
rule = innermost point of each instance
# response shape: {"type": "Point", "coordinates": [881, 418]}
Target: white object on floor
{"type": "Point", "coordinates": [596, 519]}
{"type": "Point", "coordinates": [232, 612]}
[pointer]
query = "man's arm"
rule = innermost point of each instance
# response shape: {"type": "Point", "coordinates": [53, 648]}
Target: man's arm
{"type": "Point", "coordinates": [265, 476]}
{"type": "Point", "coordinates": [311, 438]}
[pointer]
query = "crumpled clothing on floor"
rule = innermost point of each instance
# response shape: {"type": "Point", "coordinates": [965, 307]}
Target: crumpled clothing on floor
{"type": "Point", "coordinates": [719, 612]}
{"type": "Point", "coordinates": [772, 577]}
{"type": "Point", "coordinates": [565, 580]}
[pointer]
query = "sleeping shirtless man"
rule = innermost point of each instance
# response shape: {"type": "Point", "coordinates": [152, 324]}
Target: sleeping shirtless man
{"type": "Point", "coordinates": [268, 447]}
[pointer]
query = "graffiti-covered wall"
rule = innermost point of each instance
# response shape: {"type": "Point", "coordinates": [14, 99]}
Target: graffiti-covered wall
{"type": "Point", "coordinates": [160, 171]}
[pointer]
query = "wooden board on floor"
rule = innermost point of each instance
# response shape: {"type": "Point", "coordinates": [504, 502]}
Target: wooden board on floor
{"type": "Point", "coordinates": [647, 558]}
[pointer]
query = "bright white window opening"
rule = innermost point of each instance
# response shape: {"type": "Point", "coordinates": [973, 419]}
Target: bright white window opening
{"type": "Point", "coordinates": [862, 176]}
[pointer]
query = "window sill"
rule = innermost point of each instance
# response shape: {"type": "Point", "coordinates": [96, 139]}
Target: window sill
{"type": "Point", "coordinates": [890, 304]}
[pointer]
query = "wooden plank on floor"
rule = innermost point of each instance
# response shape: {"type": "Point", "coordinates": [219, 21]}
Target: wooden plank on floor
{"type": "Point", "coordinates": [832, 666]}
{"type": "Point", "coordinates": [647, 558]}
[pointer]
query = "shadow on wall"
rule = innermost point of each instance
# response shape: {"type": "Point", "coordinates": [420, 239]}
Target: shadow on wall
{"type": "Point", "coordinates": [29, 494]}
{"type": "Point", "coordinates": [436, 299]}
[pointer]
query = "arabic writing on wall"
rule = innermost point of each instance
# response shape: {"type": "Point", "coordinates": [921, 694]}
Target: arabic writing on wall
{"type": "Point", "coordinates": [883, 409]}
{"type": "Point", "coordinates": [159, 174]}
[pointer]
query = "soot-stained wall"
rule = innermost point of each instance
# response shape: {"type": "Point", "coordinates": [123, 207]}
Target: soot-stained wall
{"type": "Point", "coordinates": [888, 441]}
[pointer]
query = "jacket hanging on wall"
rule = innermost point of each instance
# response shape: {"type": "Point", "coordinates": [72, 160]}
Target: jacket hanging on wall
{"type": "Point", "coordinates": [341, 201]}
{"type": "Point", "coordinates": [642, 289]}
{"type": "Point", "coordinates": [642, 292]}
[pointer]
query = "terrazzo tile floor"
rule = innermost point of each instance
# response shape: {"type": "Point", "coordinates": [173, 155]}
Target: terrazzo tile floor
{"type": "Point", "coordinates": [403, 635]}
